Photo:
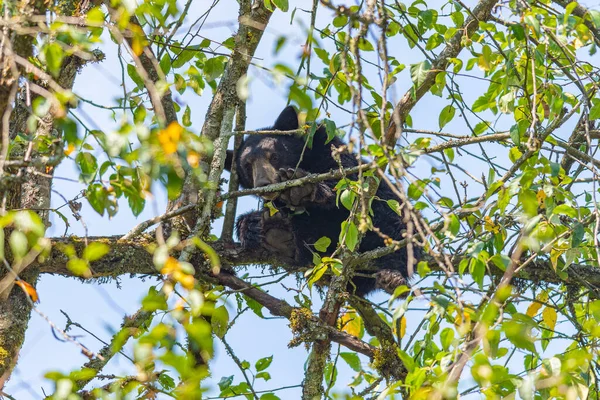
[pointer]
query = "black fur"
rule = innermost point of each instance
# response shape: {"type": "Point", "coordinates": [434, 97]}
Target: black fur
{"type": "Point", "coordinates": [287, 233]}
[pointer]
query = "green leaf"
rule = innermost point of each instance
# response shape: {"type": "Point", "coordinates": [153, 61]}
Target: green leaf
{"type": "Point", "coordinates": [533, 22]}
{"type": "Point", "coordinates": [316, 274]}
{"type": "Point", "coordinates": [418, 72]}
{"type": "Point", "coordinates": [407, 360]}
{"type": "Point", "coordinates": [180, 83]}
{"type": "Point", "coordinates": [450, 154]}
{"type": "Point", "coordinates": [434, 41]}
{"type": "Point", "coordinates": [595, 111]}
{"type": "Point", "coordinates": [515, 135]}
{"type": "Point", "coordinates": [347, 198]}
{"type": "Point", "coordinates": [477, 270]}
{"type": "Point", "coordinates": [415, 189]}
{"type": "Point", "coordinates": [300, 97]}
{"type": "Point", "coordinates": [219, 321]}
{"type": "Point", "coordinates": [595, 16]}
{"type": "Point", "coordinates": [255, 306]}
{"type": "Point", "coordinates": [410, 35]}
{"type": "Point", "coordinates": [331, 130]}
{"type": "Point", "coordinates": [395, 206]}
{"type": "Point", "coordinates": [501, 261]}
{"type": "Point", "coordinates": [518, 31]}
{"type": "Point", "coordinates": [54, 57]}
{"type": "Point", "coordinates": [447, 337]}
{"type": "Point", "coordinates": [18, 244]}
{"type": "Point", "coordinates": [213, 68]}
{"type": "Point", "coordinates": [88, 165]}
{"type": "Point", "coordinates": [225, 382]}
{"type": "Point", "coordinates": [322, 244]}
{"type": "Point", "coordinates": [135, 201]}
{"type": "Point", "coordinates": [528, 201]}
{"type": "Point", "coordinates": [174, 183]}
{"type": "Point", "coordinates": [29, 222]}
{"type": "Point", "coordinates": [281, 4]}
{"type": "Point", "coordinates": [78, 266]}
{"type": "Point", "coordinates": [154, 300]}
{"type": "Point", "coordinates": [565, 209]}
{"type": "Point", "coordinates": [269, 396]}
{"type": "Point", "coordinates": [351, 232]}
{"type": "Point", "coordinates": [279, 44]}
{"type": "Point", "coordinates": [165, 63]}
{"type": "Point", "coordinates": [340, 20]}
{"type": "Point", "coordinates": [453, 224]}
{"type": "Point", "coordinates": [187, 117]}
{"type": "Point", "coordinates": [446, 115]}
{"type": "Point", "coordinates": [263, 363]}
{"type": "Point", "coordinates": [97, 196]}
{"type": "Point", "coordinates": [481, 127]}
{"type": "Point", "coordinates": [95, 16]}
{"type": "Point", "coordinates": [183, 57]}
{"type": "Point", "coordinates": [135, 77]}
{"type": "Point", "coordinates": [518, 332]}
{"type": "Point", "coordinates": [568, 10]}
{"type": "Point", "coordinates": [139, 115]}
{"type": "Point", "coordinates": [458, 18]}
{"type": "Point", "coordinates": [166, 381]}
{"type": "Point", "coordinates": [263, 375]}
{"type": "Point", "coordinates": [95, 250]}
{"type": "Point", "coordinates": [352, 360]}
{"type": "Point", "coordinates": [365, 45]}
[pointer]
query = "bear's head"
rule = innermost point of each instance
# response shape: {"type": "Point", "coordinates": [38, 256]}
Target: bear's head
{"type": "Point", "coordinates": [260, 156]}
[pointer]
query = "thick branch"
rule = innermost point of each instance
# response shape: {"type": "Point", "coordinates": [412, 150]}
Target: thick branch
{"type": "Point", "coordinates": [253, 20]}
{"type": "Point", "coordinates": [130, 257]}
{"type": "Point", "coordinates": [33, 193]}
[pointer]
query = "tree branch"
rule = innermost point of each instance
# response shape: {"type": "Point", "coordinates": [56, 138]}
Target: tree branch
{"type": "Point", "coordinates": [482, 12]}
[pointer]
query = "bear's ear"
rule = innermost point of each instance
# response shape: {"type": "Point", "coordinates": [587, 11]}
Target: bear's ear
{"type": "Point", "coordinates": [287, 120]}
{"type": "Point", "coordinates": [229, 160]}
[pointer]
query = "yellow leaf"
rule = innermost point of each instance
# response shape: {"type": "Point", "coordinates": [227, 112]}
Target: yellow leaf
{"type": "Point", "coordinates": [490, 226]}
{"type": "Point", "coordinates": [193, 159]}
{"type": "Point", "coordinates": [187, 281]}
{"type": "Point", "coordinates": [138, 41]}
{"type": "Point", "coordinates": [69, 149]}
{"type": "Point", "coordinates": [577, 43]}
{"type": "Point", "coordinates": [549, 317]}
{"type": "Point", "coordinates": [541, 196]}
{"type": "Point", "coordinates": [169, 137]}
{"type": "Point", "coordinates": [171, 265]}
{"type": "Point", "coordinates": [463, 322]}
{"type": "Point", "coordinates": [483, 63]}
{"type": "Point", "coordinates": [351, 323]}
{"type": "Point", "coordinates": [533, 309]}
{"type": "Point", "coordinates": [272, 209]}
{"type": "Point", "coordinates": [402, 327]}
{"type": "Point", "coordinates": [29, 290]}
{"type": "Point", "coordinates": [554, 255]}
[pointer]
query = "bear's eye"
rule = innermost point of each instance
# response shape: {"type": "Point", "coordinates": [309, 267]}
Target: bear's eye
{"type": "Point", "coordinates": [274, 158]}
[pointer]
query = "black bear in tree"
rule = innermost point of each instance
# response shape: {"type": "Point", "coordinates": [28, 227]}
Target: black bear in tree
{"type": "Point", "coordinates": [288, 235]}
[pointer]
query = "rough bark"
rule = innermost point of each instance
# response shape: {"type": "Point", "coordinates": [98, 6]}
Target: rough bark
{"type": "Point", "coordinates": [253, 19]}
{"type": "Point", "coordinates": [31, 190]}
